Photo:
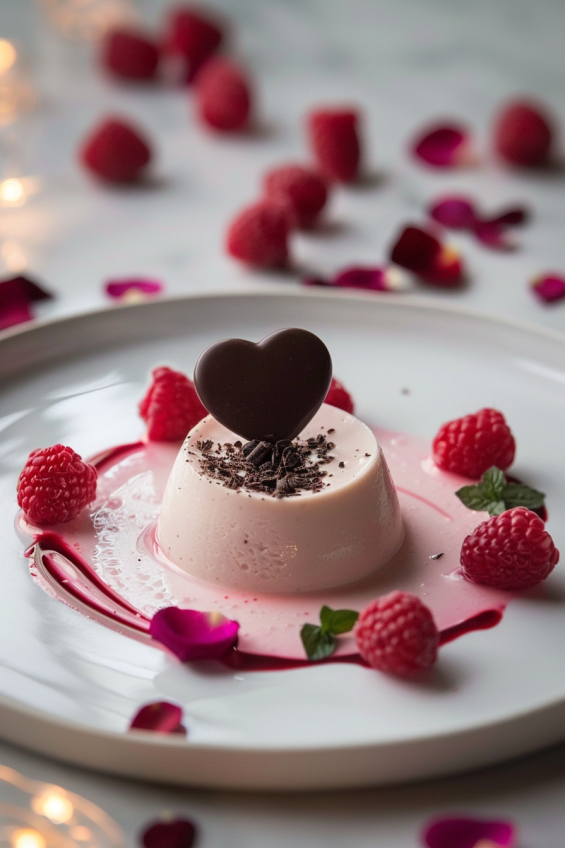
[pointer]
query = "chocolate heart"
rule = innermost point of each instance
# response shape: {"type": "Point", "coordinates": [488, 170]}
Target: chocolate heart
{"type": "Point", "coordinates": [269, 390]}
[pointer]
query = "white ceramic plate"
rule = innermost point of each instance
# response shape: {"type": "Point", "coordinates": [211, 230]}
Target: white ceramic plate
{"type": "Point", "coordinates": [69, 686]}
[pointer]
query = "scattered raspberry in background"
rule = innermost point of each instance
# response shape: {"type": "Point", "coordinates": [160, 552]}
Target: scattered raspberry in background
{"type": "Point", "coordinates": [339, 396]}
{"type": "Point", "coordinates": [397, 634]}
{"type": "Point", "coordinates": [171, 407]}
{"type": "Point", "coordinates": [130, 55]}
{"type": "Point", "coordinates": [509, 551]}
{"type": "Point", "coordinates": [116, 152]}
{"type": "Point", "coordinates": [192, 36]}
{"type": "Point", "coordinates": [523, 134]}
{"type": "Point", "coordinates": [334, 137]}
{"type": "Point", "coordinates": [305, 189]}
{"type": "Point", "coordinates": [55, 485]}
{"type": "Point", "coordinates": [472, 444]}
{"type": "Point", "coordinates": [223, 96]}
{"type": "Point", "coordinates": [259, 234]}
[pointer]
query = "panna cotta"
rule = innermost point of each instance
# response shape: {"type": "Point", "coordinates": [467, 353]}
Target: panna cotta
{"type": "Point", "coordinates": [331, 520]}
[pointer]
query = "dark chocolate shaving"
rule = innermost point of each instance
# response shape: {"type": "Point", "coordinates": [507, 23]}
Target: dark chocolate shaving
{"type": "Point", "coordinates": [281, 470]}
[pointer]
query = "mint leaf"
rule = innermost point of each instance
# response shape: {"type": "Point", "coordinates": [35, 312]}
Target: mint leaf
{"type": "Point", "coordinates": [317, 643]}
{"type": "Point", "coordinates": [516, 494]}
{"type": "Point", "coordinates": [494, 495]}
{"type": "Point", "coordinates": [493, 482]}
{"type": "Point", "coordinates": [337, 621]}
{"type": "Point", "coordinates": [475, 498]}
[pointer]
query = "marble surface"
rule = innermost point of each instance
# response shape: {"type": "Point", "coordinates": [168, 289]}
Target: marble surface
{"type": "Point", "coordinates": [404, 62]}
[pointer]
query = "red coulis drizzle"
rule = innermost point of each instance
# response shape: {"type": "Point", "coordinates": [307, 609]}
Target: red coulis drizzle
{"type": "Point", "coordinates": [118, 611]}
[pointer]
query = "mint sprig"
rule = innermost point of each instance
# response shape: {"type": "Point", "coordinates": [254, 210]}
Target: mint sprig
{"type": "Point", "coordinates": [493, 494]}
{"type": "Point", "coordinates": [319, 639]}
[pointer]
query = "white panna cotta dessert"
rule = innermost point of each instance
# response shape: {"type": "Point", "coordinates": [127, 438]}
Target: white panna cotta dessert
{"type": "Point", "coordinates": [282, 539]}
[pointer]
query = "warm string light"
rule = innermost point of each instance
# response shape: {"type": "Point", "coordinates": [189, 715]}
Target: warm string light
{"type": "Point", "coordinates": [27, 838]}
{"type": "Point", "coordinates": [7, 55]}
{"type": "Point", "coordinates": [54, 806]}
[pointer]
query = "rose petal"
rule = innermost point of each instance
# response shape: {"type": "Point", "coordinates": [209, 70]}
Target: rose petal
{"type": "Point", "coordinates": [549, 287]}
{"type": "Point", "coordinates": [453, 211]}
{"type": "Point", "coordinates": [178, 833]}
{"type": "Point", "coordinates": [468, 832]}
{"type": "Point", "coordinates": [120, 289]}
{"type": "Point", "coordinates": [160, 717]}
{"type": "Point", "coordinates": [384, 278]}
{"type": "Point", "coordinates": [512, 217]}
{"type": "Point", "coordinates": [16, 294]}
{"type": "Point", "coordinates": [424, 255]}
{"type": "Point", "coordinates": [493, 234]}
{"type": "Point", "coordinates": [444, 147]}
{"type": "Point", "coordinates": [193, 635]}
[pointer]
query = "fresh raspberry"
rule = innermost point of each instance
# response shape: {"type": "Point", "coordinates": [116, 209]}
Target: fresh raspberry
{"type": "Point", "coordinates": [509, 551]}
{"type": "Point", "coordinates": [55, 485]}
{"type": "Point", "coordinates": [523, 134]}
{"type": "Point", "coordinates": [259, 234]}
{"type": "Point", "coordinates": [129, 54]}
{"type": "Point", "coordinates": [335, 142]}
{"type": "Point", "coordinates": [339, 396]}
{"type": "Point", "coordinates": [472, 444]}
{"type": "Point", "coordinates": [171, 407]}
{"type": "Point", "coordinates": [223, 96]}
{"type": "Point", "coordinates": [397, 634]}
{"type": "Point", "coordinates": [193, 36]}
{"type": "Point", "coordinates": [115, 151]}
{"type": "Point", "coordinates": [305, 189]}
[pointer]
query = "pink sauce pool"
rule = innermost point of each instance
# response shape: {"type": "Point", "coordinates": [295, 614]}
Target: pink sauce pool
{"type": "Point", "coordinates": [106, 564]}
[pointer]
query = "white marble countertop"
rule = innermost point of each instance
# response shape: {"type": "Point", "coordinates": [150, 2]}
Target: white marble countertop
{"type": "Point", "coordinates": [405, 62]}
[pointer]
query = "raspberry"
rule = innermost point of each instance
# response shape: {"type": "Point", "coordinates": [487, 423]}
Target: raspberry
{"type": "Point", "coordinates": [192, 35]}
{"type": "Point", "coordinates": [115, 151]}
{"type": "Point", "coordinates": [509, 551]}
{"type": "Point", "coordinates": [335, 142]}
{"type": "Point", "coordinates": [339, 396]}
{"type": "Point", "coordinates": [223, 96]}
{"type": "Point", "coordinates": [259, 234]}
{"type": "Point", "coordinates": [171, 406]}
{"type": "Point", "coordinates": [130, 55]}
{"type": "Point", "coordinates": [472, 444]}
{"type": "Point", "coordinates": [523, 134]}
{"type": "Point", "coordinates": [55, 485]}
{"type": "Point", "coordinates": [397, 634]}
{"type": "Point", "coordinates": [306, 190]}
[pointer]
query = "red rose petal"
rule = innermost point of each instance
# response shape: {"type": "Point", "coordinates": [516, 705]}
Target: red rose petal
{"type": "Point", "coordinates": [468, 833]}
{"type": "Point", "coordinates": [119, 289]}
{"type": "Point", "coordinates": [444, 146]}
{"type": "Point", "coordinates": [193, 635]}
{"type": "Point", "coordinates": [549, 287]}
{"type": "Point", "coordinates": [159, 717]}
{"type": "Point", "coordinates": [513, 217]}
{"type": "Point", "coordinates": [178, 833]}
{"type": "Point", "coordinates": [423, 254]}
{"type": "Point", "coordinates": [16, 294]}
{"type": "Point", "coordinates": [453, 211]}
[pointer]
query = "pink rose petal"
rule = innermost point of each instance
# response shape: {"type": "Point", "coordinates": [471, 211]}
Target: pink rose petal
{"type": "Point", "coordinates": [120, 289]}
{"type": "Point", "coordinates": [453, 211]}
{"type": "Point", "coordinates": [178, 833]}
{"type": "Point", "coordinates": [549, 287]}
{"type": "Point", "coordinates": [16, 294]}
{"type": "Point", "coordinates": [193, 635]}
{"type": "Point", "coordinates": [444, 146]}
{"type": "Point", "coordinates": [493, 234]}
{"type": "Point", "coordinates": [385, 278]}
{"type": "Point", "coordinates": [468, 833]}
{"type": "Point", "coordinates": [159, 717]}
